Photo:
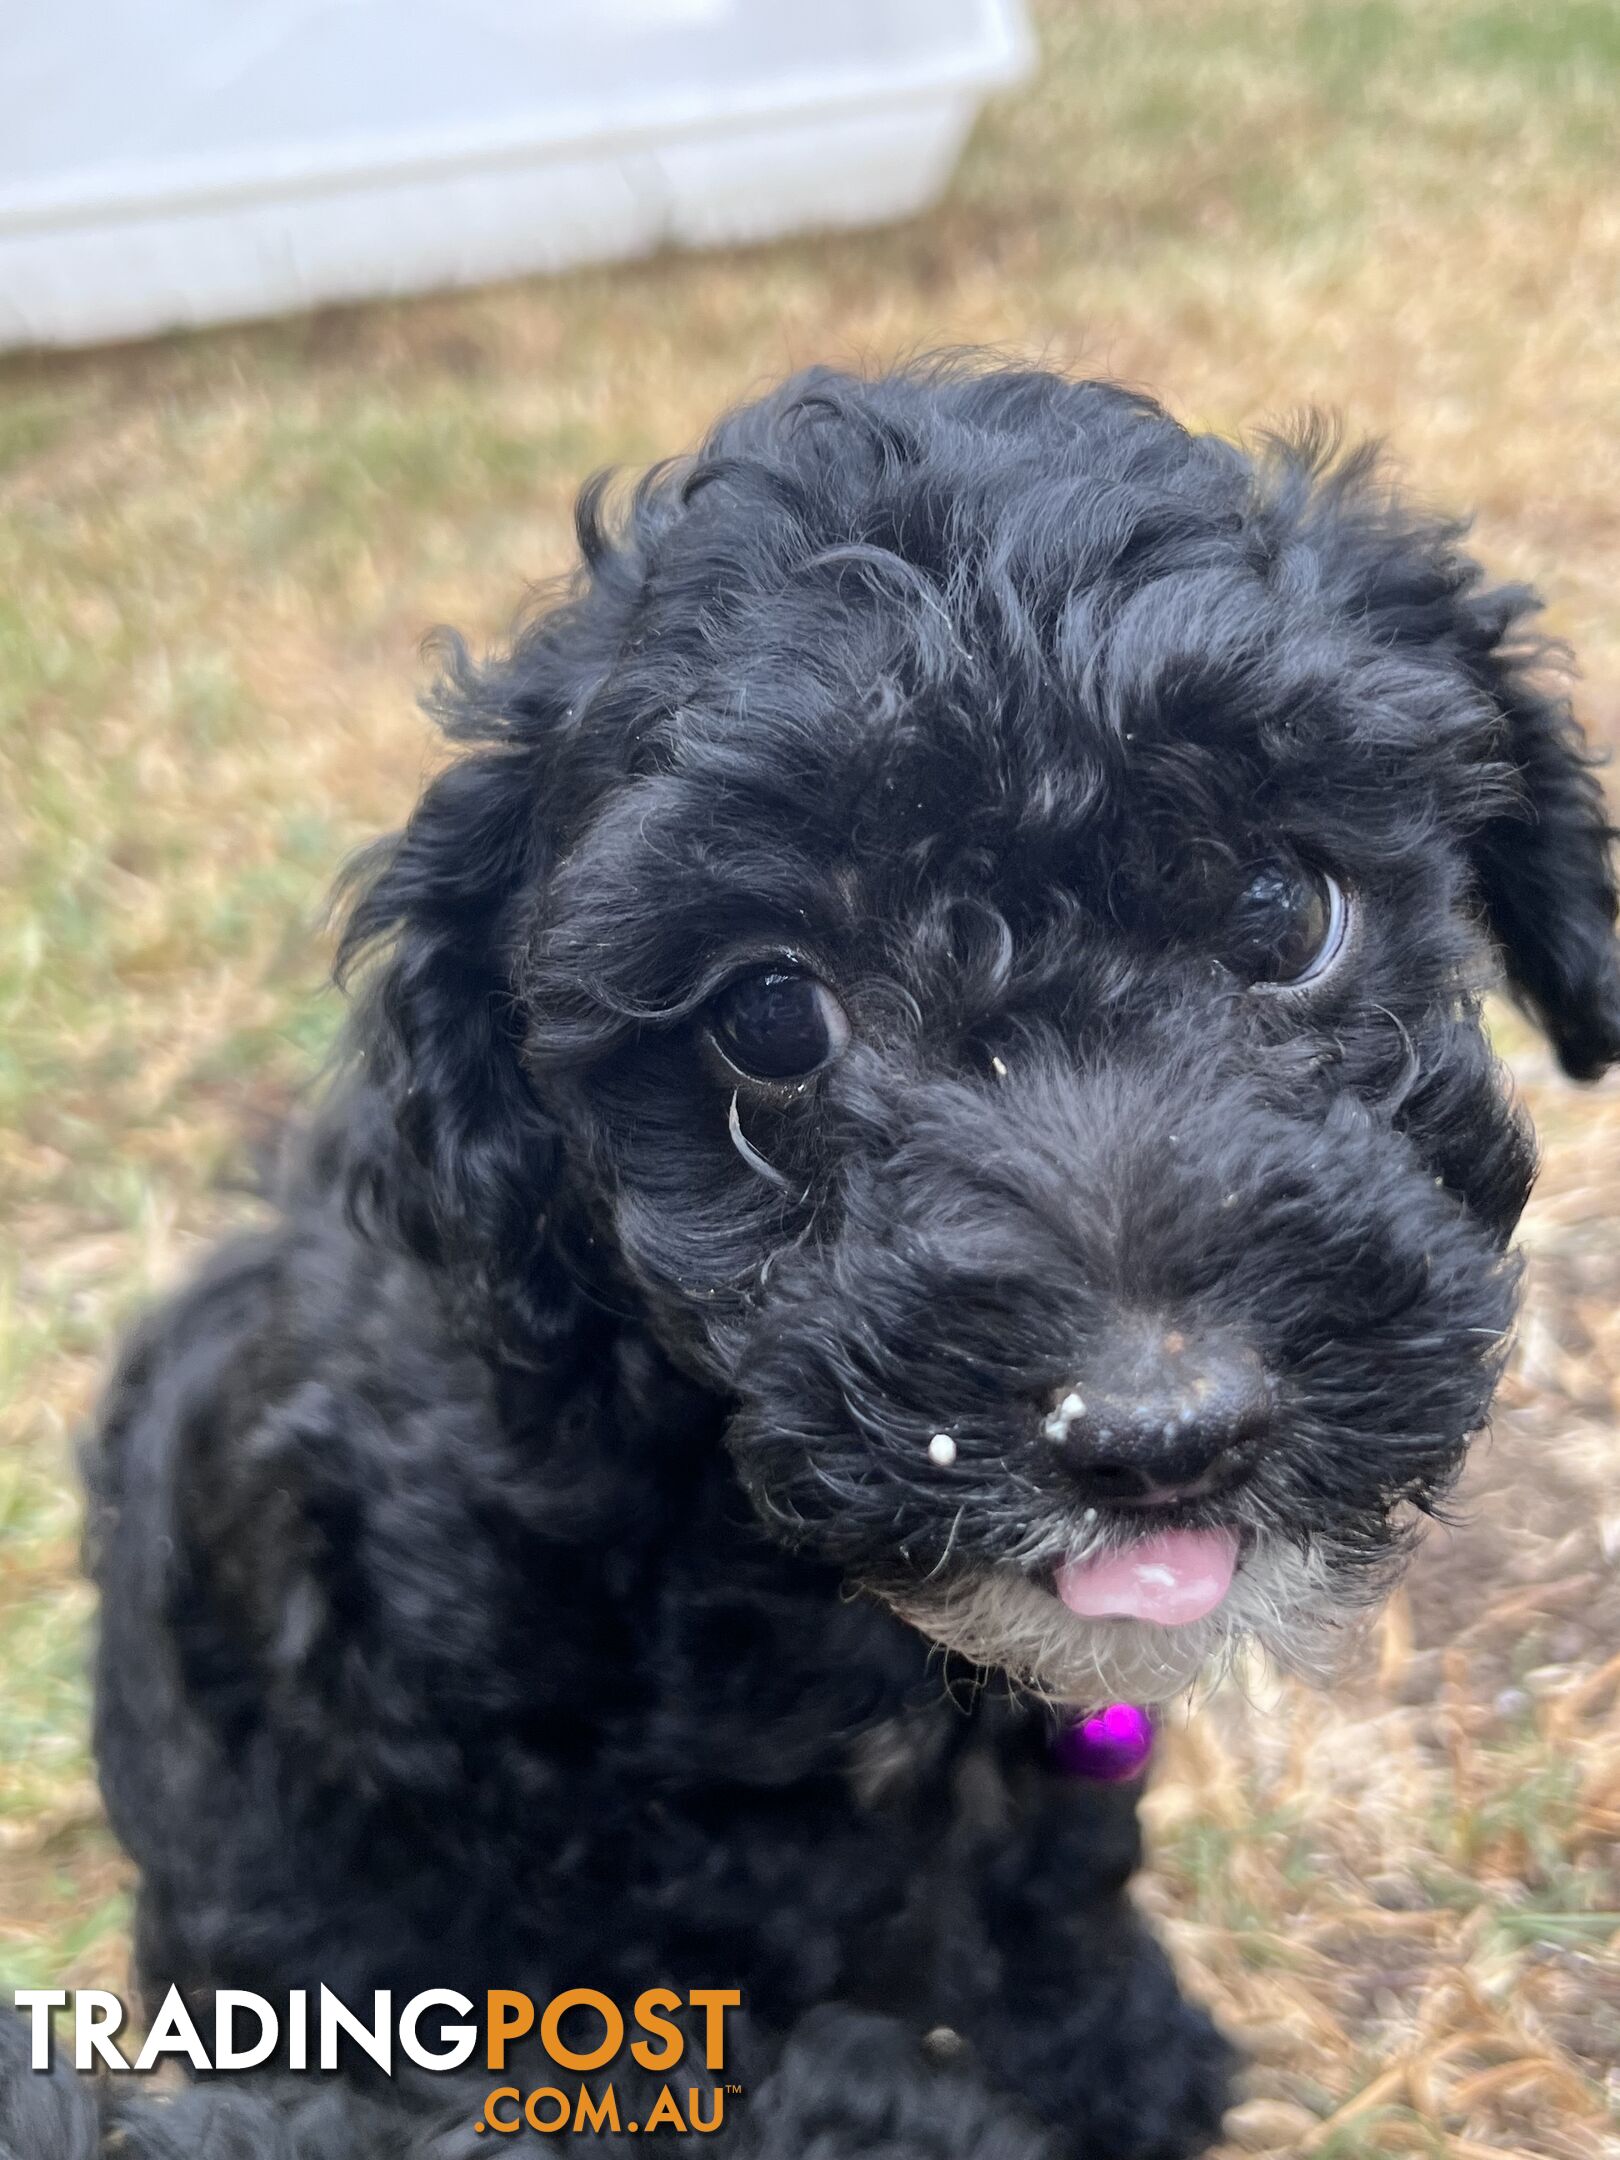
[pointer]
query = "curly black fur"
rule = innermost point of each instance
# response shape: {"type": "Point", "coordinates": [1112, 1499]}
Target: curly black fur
{"type": "Point", "coordinates": [500, 1554]}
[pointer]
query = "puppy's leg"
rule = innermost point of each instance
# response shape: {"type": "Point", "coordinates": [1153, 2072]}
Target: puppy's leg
{"type": "Point", "coordinates": [1135, 2070]}
{"type": "Point", "coordinates": [1089, 2024]}
{"type": "Point", "coordinates": [849, 2083]}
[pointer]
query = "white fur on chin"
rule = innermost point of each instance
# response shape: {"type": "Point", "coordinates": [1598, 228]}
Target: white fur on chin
{"type": "Point", "coordinates": [1280, 1599]}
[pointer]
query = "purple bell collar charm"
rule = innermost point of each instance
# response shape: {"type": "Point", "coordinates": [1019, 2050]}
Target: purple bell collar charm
{"type": "Point", "coordinates": [1110, 1746]}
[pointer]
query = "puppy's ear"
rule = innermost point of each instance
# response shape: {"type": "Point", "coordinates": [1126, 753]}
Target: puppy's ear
{"type": "Point", "coordinates": [1542, 852]}
{"type": "Point", "coordinates": [1544, 864]}
{"type": "Point", "coordinates": [442, 1140]}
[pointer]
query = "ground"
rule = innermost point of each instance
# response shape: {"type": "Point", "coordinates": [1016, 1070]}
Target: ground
{"type": "Point", "coordinates": [216, 558]}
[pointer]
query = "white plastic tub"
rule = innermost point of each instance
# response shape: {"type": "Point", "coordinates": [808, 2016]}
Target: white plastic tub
{"type": "Point", "coordinates": [172, 162]}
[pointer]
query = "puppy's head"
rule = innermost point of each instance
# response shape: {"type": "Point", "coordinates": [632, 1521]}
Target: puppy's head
{"type": "Point", "coordinates": [969, 919]}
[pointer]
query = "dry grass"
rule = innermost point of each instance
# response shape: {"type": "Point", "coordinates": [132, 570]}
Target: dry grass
{"type": "Point", "coordinates": [1405, 1893]}
{"type": "Point", "coordinates": [216, 557]}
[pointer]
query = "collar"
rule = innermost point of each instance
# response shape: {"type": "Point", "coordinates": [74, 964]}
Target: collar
{"type": "Point", "coordinates": [1111, 1745]}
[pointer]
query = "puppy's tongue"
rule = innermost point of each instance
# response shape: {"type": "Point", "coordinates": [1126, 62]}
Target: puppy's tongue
{"type": "Point", "coordinates": [1173, 1578]}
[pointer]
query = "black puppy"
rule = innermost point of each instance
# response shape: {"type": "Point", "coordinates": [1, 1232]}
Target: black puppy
{"type": "Point", "coordinates": [920, 1107]}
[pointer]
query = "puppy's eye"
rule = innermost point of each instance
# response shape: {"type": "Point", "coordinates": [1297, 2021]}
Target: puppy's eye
{"type": "Point", "coordinates": [776, 1024]}
{"type": "Point", "coordinates": [1287, 926]}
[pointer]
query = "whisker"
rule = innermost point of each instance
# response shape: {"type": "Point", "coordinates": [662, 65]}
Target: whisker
{"type": "Point", "coordinates": [755, 1160]}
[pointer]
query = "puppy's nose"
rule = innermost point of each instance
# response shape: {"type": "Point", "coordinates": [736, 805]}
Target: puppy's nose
{"type": "Point", "coordinates": [1159, 1417]}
